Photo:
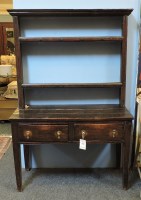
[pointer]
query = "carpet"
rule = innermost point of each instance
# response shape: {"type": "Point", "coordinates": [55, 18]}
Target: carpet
{"type": "Point", "coordinates": [42, 184]}
{"type": "Point", "coordinates": [5, 142]}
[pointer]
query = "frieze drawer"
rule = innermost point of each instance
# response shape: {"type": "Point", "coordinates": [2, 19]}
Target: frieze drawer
{"type": "Point", "coordinates": [43, 132]}
{"type": "Point", "coordinates": [111, 131]}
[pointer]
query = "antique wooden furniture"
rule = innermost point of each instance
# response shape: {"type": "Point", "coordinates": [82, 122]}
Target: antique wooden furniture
{"type": "Point", "coordinates": [39, 124]}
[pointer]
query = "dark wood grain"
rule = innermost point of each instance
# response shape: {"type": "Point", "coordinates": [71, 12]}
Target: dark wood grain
{"type": "Point", "coordinates": [99, 131]}
{"type": "Point", "coordinates": [70, 12]}
{"type": "Point", "coordinates": [123, 61]}
{"type": "Point", "coordinates": [126, 154]}
{"type": "Point", "coordinates": [17, 156]}
{"type": "Point", "coordinates": [18, 62]}
{"type": "Point", "coordinates": [27, 157]}
{"type": "Point", "coordinates": [71, 85]}
{"type": "Point", "coordinates": [86, 113]}
{"type": "Point", "coordinates": [33, 125]}
{"type": "Point", "coordinates": [43, 132]}
{"type": "Point", "coordinates": [68, 39]}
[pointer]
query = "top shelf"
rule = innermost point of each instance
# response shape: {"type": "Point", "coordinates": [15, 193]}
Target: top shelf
{"type": "Point", "coordinates": [70, 12]}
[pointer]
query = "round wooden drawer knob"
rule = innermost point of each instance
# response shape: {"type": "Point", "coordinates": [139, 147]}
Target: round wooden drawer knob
{"type": "Point", "coordinates": [27, 134]}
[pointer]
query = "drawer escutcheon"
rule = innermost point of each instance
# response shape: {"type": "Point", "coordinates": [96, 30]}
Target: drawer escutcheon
{"type": "Point", "coordinates": [27, 134]}
{"type": "Point", "coordinates": [114, 133]}
{"type": "Point", "coordinates": [58, 134]}
{"type": "Point", "coordinates": [83, 133]}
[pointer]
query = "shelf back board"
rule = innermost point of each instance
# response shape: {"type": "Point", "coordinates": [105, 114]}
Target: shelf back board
{"type": "Point", "coordinates": [24, 39]}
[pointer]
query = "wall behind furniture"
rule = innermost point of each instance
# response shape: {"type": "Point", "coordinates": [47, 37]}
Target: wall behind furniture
{"type": "Point", "coordinates": [5, 18]}
{"type": "Point", "coordinates": [4, 15]}
{"type": "Point", "coordinates": [96, 155]}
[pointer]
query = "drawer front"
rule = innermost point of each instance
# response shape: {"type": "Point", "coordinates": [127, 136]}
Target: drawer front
{"type": "Point", "coordinates": [99, 131]}
{"type": "Point", "coordinates": [49, 133]}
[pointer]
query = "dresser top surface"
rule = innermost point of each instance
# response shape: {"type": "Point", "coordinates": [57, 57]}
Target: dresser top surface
{"type": "Point", "coordinates": [73, 113]}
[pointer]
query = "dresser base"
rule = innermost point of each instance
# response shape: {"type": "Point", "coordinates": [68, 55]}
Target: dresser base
{"type": "Point", "coordinates": [95, 124]}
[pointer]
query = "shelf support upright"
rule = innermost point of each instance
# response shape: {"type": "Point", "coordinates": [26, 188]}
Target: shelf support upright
{"type": "Point", "coordinates": [18, 62]}
{"type": "Point", "coordinates": [123, 61]}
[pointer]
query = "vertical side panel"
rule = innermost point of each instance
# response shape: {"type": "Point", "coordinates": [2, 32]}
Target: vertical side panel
{"type": "Point", "coordinates": [18, 62]}
{"type": "Point", "coordinates": [123, 61]}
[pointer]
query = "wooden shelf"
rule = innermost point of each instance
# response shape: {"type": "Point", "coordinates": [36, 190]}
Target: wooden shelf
{"type": "Point", "coordinates": [73, 85]}
{"type": "Point", "coordinates": [70, 12]}
{"type": "Point", "coordinates": [68, 39]}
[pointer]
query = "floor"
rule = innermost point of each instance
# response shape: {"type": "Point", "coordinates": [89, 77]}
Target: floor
{"type": "Point", "coordinates": [5, 128]}
{"type": "Point", "coordinates": [45, 184]}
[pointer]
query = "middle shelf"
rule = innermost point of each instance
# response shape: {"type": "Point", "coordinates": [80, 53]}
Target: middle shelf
{"type": "Point", "coordinates": [85, 85]}
{"type": "Point", "coordinates": [72, 85]}
{"type": "Point", "coordinates": [70, 39]}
